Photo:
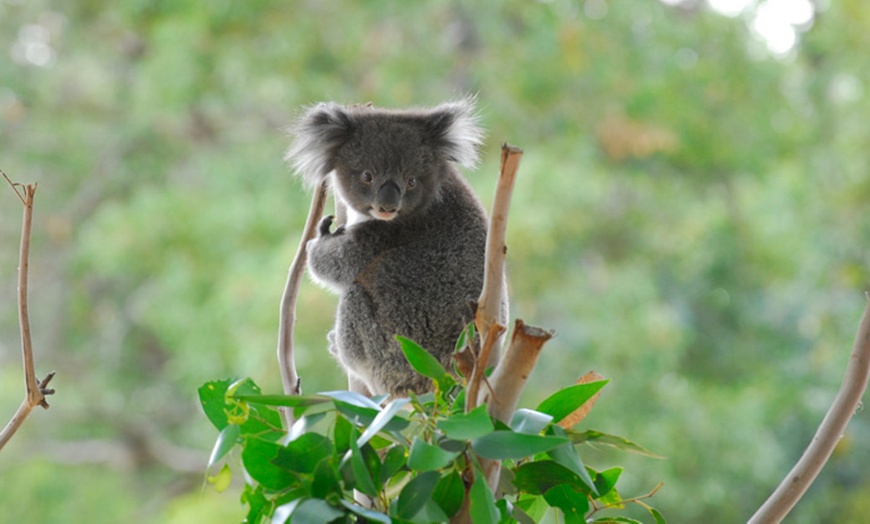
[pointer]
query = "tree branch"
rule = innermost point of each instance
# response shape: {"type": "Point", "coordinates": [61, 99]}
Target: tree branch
{"type": "Point", "coordinates": [286, 360]}
{"type": "Point", "coordinates": [793, 486]}
{"type": "Point", "coordinates": [490, 302]}
{"type": "Point", "coordinates": [36, 391]}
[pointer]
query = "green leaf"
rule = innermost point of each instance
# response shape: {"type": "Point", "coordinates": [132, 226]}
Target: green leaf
{"type": "Point", "coordinates": [617, 520]}
{"type": "Point", "coordinates": [342, 432]}
{"type": "Point", "coordinates": [258, 456]}
{"type": "Point", "coordinates": [467, 334]}
{"type": "Point", "coordinates": [365, 416]}
{"type": "Point", "coordinates": [529, 421]}
{"type": "Point", "coordinates": [257, 504]}
{"type": "Point", "coordinates": [227, 439]}
{"type": "Point", "coordinates": [426, 457]}
{"type": "Point", "coordinates": [593, 437]}
{"type": "Point", "coordinates": [315, 511]}
{"type": "Point", "coordinates": [304, 453]}
{"type": "Point", "coordinates": [481, 501]}
{"type": "Point", "coordinates": [393, 462]}
{"type": "Point", "coordinates": [467, 426]}
{"type": "Point", "coordinates": [449, 493]}
{"type": "Point", "coordinates": [500, 445]}
{"type": "Point", "coordinates": [326, 483]}
{"type": "Point", "coordinates": [382, 419]}
{"type": "Point", "coordinates": [361, 474]}
{"type": "Point", "coordinates": [212, 397]}
{"type": "Point", "coordinates": [354, 399]}
{"type": "Point", "coordinates": [290, 401]}
{"type": "Point", "coordinates": [368, 514]}
{"type": "Point", "coordinates": [529, 510]}
{"type": "Point", "coordinates": [567, 456]}
{"type": "Point", "coordinates": [573, 504]}
{"type": "Point", "coordinates": [659, 518]}
{"type": "Point", "coordinates": [415, 494]}
{"type": "Point", "coordinates": [606, 480]}
{"type": "Point", "coordinates": [565, 401]}
{"type": "Point", "coordinates": [421, 360]}
{"type": "Point", "coordinates": [539, 476]}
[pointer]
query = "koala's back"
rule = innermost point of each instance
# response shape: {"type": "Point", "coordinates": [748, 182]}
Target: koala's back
{"type": "Point", "coordinates": [421, 285]}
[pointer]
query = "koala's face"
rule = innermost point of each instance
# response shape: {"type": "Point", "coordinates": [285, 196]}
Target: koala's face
{"type": "Point", "coordinates": [385, 164]}
{"type": "Point", "coordinates": [386, 170]}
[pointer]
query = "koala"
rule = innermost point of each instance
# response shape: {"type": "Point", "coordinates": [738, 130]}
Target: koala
{"type": "Point", "coordinates": [410, 259]}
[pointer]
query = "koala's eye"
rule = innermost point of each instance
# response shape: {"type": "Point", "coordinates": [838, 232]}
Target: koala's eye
{"type": "Point", "coordinates": [412, 183]}
{"type": "Point", "coordinates": [366, 177]}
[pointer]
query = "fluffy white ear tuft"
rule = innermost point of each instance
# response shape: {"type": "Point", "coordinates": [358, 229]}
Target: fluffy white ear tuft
{"type": "Point", "coordinates": [462, 135]}
{"type": "Point", "coordinates": [317, 135]}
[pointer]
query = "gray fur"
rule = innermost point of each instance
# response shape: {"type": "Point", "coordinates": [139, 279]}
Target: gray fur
{"type": "Point", "coordinates": [414, 265]}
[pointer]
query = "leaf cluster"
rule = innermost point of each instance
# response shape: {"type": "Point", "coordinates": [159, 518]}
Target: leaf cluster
{"type": "Point", "coordinates": [415, 460]}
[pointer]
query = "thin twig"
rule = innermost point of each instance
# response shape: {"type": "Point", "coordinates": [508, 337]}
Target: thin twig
{"type": "Point", "coordinates": [15, 186]}
{"type": "Point", "coordinates": [477, 373]}
{"type": "Point", "coordinates": [634, 500]}
{"type": "Point", "coordinates": [36, 391]}
{"type": "Point", "coordinates": [793, 486]}
{"type": "Point", "coordinates": [286, 359]}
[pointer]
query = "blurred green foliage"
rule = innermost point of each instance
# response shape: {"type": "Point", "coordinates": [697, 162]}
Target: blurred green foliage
{"type": "Point", "coordinates": [690, 218]}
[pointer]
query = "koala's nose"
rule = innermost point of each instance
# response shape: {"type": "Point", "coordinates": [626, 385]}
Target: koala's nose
{"type": "Point", "coordinates": [389, 196]}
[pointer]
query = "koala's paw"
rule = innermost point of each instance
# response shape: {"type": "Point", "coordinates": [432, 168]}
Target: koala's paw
{"type": "Point", "coordinates": [326, 223]}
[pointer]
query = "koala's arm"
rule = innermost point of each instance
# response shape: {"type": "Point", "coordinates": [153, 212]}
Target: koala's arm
{"type": "Point", "coordinates": [335, 259]}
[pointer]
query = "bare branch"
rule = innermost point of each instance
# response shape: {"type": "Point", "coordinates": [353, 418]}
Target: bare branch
{"type": "Point", "coordinates": [286, 360]}
{"type": "Point", "coordinates": [793, 486]}
{"type": "Point", "coordinates": [490, 303]}
{"type": "Point", "coordinates": [511, 374]}
{"type": "Point", "coordinates": [36, 391]}
{"type": "Point", "coordinates": [15, 186]}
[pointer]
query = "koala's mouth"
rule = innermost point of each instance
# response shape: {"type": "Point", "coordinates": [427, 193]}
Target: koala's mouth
{"type": "Point", "coordinates": [383, 215]}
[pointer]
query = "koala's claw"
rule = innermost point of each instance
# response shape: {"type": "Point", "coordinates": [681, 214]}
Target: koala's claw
{"type": "Point", "coordinates": [325, 224]}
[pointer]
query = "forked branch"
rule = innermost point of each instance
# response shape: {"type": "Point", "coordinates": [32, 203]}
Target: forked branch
{"type": "Point", "coordinates": [36, 391]}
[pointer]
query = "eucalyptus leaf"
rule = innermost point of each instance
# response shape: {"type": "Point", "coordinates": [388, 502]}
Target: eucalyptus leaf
{"type": "Point", "coordinates": [501, 445]}
{"type": "Point", "coordinates": [421, 360]}
{"type": "Point", "coordinates": [481, 501]}
{"type": "Point", "coordinates": [368, 514]}
{"type": "Point", "coordinates": [535, 478]}
{"type": "Point", "coordinates": [382, 419]}
{"type": "Point", "coordinates": [212, 399]}
{"type": "Point", "coordinates": [258, 456]}
{"type": "Point", "coordinates": [227, 439]}
{"type": "Point", "coordinates": [567, 400]}
{"type": "Point", "coordinates": [529, 421]}
{"type": "Point", "coordinates": [303, 454]}
{"type": "Point", "coordinates": [573, 503]}
{"type": "Point", "coordinates": [467, 426]}
{"type": "Point", "coordinates": [315, 511]}
{"type": "Point", "coordinates": [426, 457]}
{"type": "Point", "coordinates": [449, 493]}
{"type": "Point", "coordinates": [415, 494]}
{"type": "Point", "coordinates": [361, 474]}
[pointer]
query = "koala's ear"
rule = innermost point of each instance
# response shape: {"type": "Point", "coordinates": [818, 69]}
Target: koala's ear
{"type": "Point", "coordinates": [317, 136]}
{"type": "Point", "coordinates": [453, 128]}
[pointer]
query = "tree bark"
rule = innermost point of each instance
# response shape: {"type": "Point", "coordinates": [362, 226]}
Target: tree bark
{"type": "Point", "coordinates": [286, 360]}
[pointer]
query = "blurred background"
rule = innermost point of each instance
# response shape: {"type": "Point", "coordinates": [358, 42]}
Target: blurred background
{"type": "Point", "coordinates": [691, 218]}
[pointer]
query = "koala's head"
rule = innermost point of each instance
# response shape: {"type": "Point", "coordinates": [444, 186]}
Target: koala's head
{"type": "Point", "coordinates": [385, 163]}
